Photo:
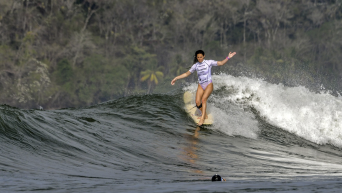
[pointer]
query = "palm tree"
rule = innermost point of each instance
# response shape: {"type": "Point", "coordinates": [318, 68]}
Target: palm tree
{"type": "Point", "coordinates": [152, 76]}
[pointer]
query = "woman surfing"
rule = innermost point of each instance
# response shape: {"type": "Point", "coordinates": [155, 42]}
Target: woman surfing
{"type": "Point", "coordinates": [205, 85]}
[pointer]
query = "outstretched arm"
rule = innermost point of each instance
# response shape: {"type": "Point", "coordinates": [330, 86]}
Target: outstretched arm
{"type": "Point", "coordinates": [230, 55]}
{"type": "Point", "coordinates": [180, 77]}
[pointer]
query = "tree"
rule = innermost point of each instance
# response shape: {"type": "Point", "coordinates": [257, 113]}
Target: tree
{"type": "Point", "coordinates": [178, 66]}
{"type": "Point", "coordinates": [100, 79]}
{"type": "Point", "coordinates": [152, 76]}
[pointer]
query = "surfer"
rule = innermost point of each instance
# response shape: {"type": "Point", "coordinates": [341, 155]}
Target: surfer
{"type": "Point", "coordinates": [205, 85]}
{"type": "Point", "coordinates": [217, 178]}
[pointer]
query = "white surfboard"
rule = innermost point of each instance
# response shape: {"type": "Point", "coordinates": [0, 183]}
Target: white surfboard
{"type": "Point", "coordinates": [194, 113]}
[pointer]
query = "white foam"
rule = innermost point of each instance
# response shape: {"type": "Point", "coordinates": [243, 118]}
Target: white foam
{"type": "Point", "coordinates": [316, 117]}
{"type": "Point", "coordinates": [229, 118]}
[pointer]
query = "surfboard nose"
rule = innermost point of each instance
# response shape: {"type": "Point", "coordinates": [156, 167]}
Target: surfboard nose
{"type": "Point", "coordinates": [187, 97]}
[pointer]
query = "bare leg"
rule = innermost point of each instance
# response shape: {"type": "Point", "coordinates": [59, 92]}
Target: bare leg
{"type": "Point", "coordinates": [199, 95]}
{"type": "Point", "coordinates": [205, 97]}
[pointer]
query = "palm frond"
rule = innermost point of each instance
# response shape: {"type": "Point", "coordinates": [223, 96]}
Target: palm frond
{"type": "Point", "coordinates": [143, 73]}
{"type": "Point", "coordinates": [145, 77]}
{"type": "Point", "coordinates": [152, 77]}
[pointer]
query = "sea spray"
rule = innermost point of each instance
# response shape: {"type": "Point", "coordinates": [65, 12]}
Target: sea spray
{"type": "Point", "coordinates": [313, 116]}
{"type": "Point", "coordinates": [229, 118]}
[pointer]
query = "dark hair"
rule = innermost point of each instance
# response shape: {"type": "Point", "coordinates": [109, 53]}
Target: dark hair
{"type": "Point", "coordinates": [216, 178]}
{"type": "Point", "coordinates": [198, 52]}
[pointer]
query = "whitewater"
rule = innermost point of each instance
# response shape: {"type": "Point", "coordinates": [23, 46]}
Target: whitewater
{"type": "Point", "coordinates": [265, 138]}
{"type": "Point", "coordinates": [316, 117]}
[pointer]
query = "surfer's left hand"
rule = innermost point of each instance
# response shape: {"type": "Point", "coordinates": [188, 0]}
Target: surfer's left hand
{"type": "Point", "coordinates": [231, 54]}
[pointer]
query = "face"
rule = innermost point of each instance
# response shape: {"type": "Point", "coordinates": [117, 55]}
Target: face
{"type": "Point", "coordinates": [200, 58]}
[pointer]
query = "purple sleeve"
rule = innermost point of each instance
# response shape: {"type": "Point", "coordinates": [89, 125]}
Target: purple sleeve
{"type": "Point", "coordinates": [193, 68]}
{"type": "Point", "coordinates": [213, 62]}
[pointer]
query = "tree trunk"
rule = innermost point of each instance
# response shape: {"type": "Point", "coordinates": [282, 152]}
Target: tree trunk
{"type": "Point", "coordinates": [90, 13]}
{"type": "Point", "coordinates": [149, 87]}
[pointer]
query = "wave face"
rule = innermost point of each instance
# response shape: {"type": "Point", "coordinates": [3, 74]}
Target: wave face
{"type": "Point", "coordinates": [265, 137]}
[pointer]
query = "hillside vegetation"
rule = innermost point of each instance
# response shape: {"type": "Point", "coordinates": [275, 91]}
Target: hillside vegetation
{"type": "Point", "coordinates": [63, 53]}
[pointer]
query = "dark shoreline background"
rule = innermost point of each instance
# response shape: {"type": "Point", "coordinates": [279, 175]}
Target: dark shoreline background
{"type": "Point", "coordinates": [75, 53]}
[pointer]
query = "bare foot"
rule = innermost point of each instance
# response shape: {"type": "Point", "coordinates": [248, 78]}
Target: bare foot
{"type": "Point", "coordinates": [200, 122]}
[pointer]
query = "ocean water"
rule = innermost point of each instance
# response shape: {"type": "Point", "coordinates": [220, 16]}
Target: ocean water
{"type": "Point", "coordinates": [266, 138]}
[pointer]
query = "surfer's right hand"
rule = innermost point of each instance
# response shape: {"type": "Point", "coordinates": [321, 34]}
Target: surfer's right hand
{"type": "Point", "coordinates": [173, 81]}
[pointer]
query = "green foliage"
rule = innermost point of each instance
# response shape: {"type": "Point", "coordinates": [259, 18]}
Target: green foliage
{"type": "Point", "coordinates": [100, 79]}
{"type": "Point", "coordinates": [99, 50]}
{"type": "Point", "coordinates": [6, 54]}
{"type": "Point", "coordinates": [178, 66]}
{"type": "Point", "coordinates": [153, 76]}
{"type": "Point", "coordinates": [64, 72]}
